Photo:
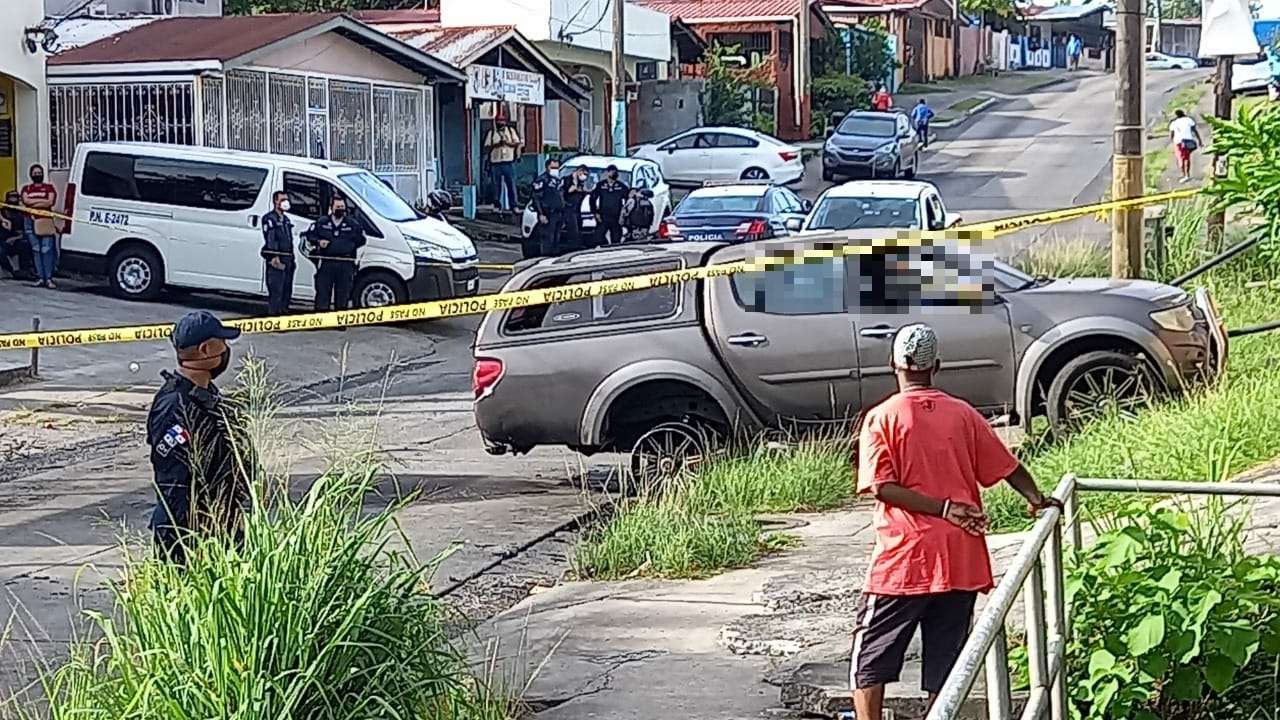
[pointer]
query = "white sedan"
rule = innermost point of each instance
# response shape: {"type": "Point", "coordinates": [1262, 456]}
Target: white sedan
{"type": "Point", "coordinates": [724, 154]}
{"type": "Point", "coordinates": [878, 205]}
{"type": "Point", "coordinates": [633, 172]}
{"type": "Point", "coordinates": [1248, 77]}
{"type": "Point", "coordinates": [1160, 61]}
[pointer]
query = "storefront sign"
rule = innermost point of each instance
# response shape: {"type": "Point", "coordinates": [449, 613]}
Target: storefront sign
{"type": "Point", "coordinates": [485, 82]}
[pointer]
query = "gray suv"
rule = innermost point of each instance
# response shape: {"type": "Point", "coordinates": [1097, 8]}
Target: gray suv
{"type": "Point", "coordinates": [662, 372]}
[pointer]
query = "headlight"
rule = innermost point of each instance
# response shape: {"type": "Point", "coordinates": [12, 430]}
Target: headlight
{"type": "Point", "coordinates": [1175, 319]}
{"type": "Point", "coordinates": [429, 250]}
{"type": "Point", "coordinates": [887, 148]}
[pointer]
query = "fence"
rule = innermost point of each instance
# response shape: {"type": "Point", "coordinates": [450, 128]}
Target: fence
{"type": "Point", "coordinates": [1048, 628]}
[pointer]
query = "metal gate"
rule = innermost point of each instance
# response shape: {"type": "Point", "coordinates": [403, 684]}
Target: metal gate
{"type": "Point", "coordinates": [161, 112]}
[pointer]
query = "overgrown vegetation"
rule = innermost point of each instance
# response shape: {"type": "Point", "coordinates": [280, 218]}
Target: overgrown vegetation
{"type": "Point", "coordinates": [732, 88]}
{"type": "Point", "coordinates": [845, 73]}
{"type": "Point", "coordinates": [706, 523]}
{"type": "Point", "coordinates": [320, 612]}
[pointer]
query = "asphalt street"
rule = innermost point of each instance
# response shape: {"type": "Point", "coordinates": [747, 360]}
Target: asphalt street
{"type": "Point", "coordinates": [73, 468]}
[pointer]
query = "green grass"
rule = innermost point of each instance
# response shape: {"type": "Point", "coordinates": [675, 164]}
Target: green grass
{"type": "Point", "coordinates": [967, 104]}
{"type": "Point", "coordinates": [706, 523]}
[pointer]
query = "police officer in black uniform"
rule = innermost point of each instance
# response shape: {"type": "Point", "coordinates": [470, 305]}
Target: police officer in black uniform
{"type": "Point", "coordinates": [201, 458]}
{"type": "Point", "coordinates": [333, 242]}
{"type": "Point", "coordinates": [277, 251]}
{"type": "Point", "coordinates": [606, 204]}
{"type": "Point", "coordinates": [548, 202]}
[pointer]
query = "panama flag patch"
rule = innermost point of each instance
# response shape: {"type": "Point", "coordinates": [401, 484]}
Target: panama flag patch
{"type": "Point", "coordinates": [176, 435]}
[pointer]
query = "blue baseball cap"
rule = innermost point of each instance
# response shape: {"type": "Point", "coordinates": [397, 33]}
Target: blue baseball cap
{"type": "Point", "coordinates": [200, 326]}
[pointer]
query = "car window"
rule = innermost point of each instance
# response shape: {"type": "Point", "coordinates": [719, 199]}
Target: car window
{"type": "Point", "coordinates": [799, 289]}
{"type": "Point", "coordinates": [939, 274]}
{"type": "Point", "coordinates": [864, 125]}
{"type": "Point", "coordinates": [682, 143]}
{"type": "Point", "coordinates": [793, 202]}
{"type": "Point", "coordinates": [852, 213]}
{"type": "Point", "coordinates": [695, 203]}
{"type": "Point", "coordinates": [903, 127]}
{"type": "Point", "coordinates": [309, 196]}
{"type": "Point", "coordinates": [172, 181]}
{"type": "Point", "coordinates": [777, 203]}
{"type": "Point", "coordinates": [727, 140]}
{"type": "Point", "coordinates": [653, 303]}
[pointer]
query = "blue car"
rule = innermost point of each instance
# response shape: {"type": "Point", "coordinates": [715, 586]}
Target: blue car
{"type": "Point", "coordinates": [741, 212]}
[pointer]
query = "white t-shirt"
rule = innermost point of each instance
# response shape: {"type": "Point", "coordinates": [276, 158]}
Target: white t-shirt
{"type": "Point", "coordinates": [1183, 128]}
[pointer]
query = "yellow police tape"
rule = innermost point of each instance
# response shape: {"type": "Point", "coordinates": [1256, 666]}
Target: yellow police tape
{"type": "Point", "coordinates": [455, 307]}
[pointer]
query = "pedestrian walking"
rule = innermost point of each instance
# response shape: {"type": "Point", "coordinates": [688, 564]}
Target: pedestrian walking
{"type": "Point", "coordinates": [40, 228]}
{"type": "Point", "coordinates": [921, 114]}
{"type": "Point", "coordinates": [200, 455]}
{"type": "Point", "coordinates": [1186, 139]}
{"type": "Point", "coordinates": [502, 143]}
{"type": "Point", "coordinates": [1075, 48]}
{"type": "Point", "coordinates": [548, 203]}
{"type": "Point", "coordinates": [882, 100]}
{"type": "Point", "coordinates": [575, 193]}
{"type": "Point", "coordinates": [924, 455]}
{"type": "Point", "coordinates": [332, 243]}
{"type": "Point", "coordinates": [277, 251]}
{"type": "Point", "coordinates": [607, 200]}
{"type": "Point", "coordinates": [15, 251]}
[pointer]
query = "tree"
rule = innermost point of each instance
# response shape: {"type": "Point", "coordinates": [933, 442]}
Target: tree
{"type": "Point", "coordinates": [728, 88]}
{"type": "Point", "coordinates": [250, 7]}
{"type": "Point", "coordinates": [843, 77]}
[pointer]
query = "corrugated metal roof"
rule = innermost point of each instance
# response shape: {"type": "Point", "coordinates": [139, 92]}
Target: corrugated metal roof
{"type": "Point", "coordinates": [391, 17]}
{"type": "Point", "coordinates": [192, 38]}
{"type": "Point", "coordinates": [80, 31]}
{"type": "Point", "coordinates": [458, 46]}
{"type": "Point", "coordinates": [836, 7]}
{"type": "Point", "coordinates": [1062, 12]}
{"type": "Point", "coordinates": [694, 11]}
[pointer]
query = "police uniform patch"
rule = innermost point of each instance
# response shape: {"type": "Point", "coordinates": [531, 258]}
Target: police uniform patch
{"type": "Point", "coordinates": [175, 436]}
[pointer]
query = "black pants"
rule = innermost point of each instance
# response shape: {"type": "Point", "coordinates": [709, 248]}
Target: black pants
{"type": "Point", "coordinates": [15, 257]}
{"type": "Point", "coordinates": [550, 238]}
{"type": "Point", "coordinates": [571, 236]}
{"type": "Point", "coordinates": [333, 284]}
{"type": "Point", "coordinates": [611, 231]}
{"type": "Point", "coordinates": [885, 624]}
{"type": "Point", "coordinates": [279, 288]}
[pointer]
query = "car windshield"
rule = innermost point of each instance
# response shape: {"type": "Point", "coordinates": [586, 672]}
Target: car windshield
{"type": "Point", "coordinates": [852, 213]}
{"type": "Point", "coordinates": [378, 196]}
{"type": "Point", "coordinates": [873, 126]}
{"type": "Point", "coordinates": [1011, 277]}
{"type": "Point", "coordinates": [719, 204]}
{"type": "Point", "coordinates": [594, 174]}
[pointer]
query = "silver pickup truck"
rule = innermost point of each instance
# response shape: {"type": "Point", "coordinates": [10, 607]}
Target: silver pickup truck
{"type": "Point", "coordinates": [661, 372]}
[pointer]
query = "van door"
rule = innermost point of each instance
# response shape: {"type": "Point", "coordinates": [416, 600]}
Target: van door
{"type": "Point", "coordinates": [309, 200]}
{"type": "Point", "coordinates": [786, 337]}
{"type": "Point", "coordinates": [217, 208]}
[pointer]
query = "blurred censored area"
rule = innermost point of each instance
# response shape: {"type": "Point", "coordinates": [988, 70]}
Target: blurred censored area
{"type": "Point", "coordinates": [950, 273]}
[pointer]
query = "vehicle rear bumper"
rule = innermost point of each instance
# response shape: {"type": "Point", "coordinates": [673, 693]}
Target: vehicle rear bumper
{"type": "Point", "coordinates": [436, 281]}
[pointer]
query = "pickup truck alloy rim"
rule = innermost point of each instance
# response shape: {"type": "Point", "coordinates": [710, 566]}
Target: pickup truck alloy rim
{"type": "Point", "coordinates": [133, 275]}
{"type": "Point", "coordinates": [666, 452]}
{"type": "Point", "coordinates": [1104, 390]}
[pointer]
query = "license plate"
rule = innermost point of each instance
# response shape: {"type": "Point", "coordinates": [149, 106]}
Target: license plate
{"type": "Point", "coordinates": [472, 283]}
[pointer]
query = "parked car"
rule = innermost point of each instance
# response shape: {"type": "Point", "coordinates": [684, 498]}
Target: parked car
{"type": "Point", "coordinates": [736, 213]}
{"type": "Point", "coordinates": [871, 144]}
{"type": "Point", "coordinates": [661, 372]}
{"type": "Point", "coordinates": [635, 173]}
{"type": "Point", "coordinates": [1160, 61]}
{"type": "Point", "coordinates": [866, 204]}
{"type": "Point", "coordinates": [149, 216]}
{"type": "Point", "coordinates": [724, 153]}
{"type": "Point", "coordinates": [1250, 76]}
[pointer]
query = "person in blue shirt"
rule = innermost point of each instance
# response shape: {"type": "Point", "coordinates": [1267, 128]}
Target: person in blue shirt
{"type": "Point", "coordinates": [1075, 48]}
{"type": "Point", "coordinates": [921, 114]}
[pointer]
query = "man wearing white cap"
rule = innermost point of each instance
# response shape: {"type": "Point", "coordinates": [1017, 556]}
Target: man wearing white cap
{"type": "Point", "coordinates": [924, 455]}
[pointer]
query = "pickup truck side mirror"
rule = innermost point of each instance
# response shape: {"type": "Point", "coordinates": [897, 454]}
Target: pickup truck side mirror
{"type": "Point", "coordinates": [831, 131]}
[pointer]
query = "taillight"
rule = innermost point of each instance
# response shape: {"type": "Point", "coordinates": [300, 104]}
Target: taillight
{"type": "Point", "coordinates": [70, 208]}
{"type": "Point", "coordinates": [788, 156]}
{"type": "Point", "coordinates": [753, 229]}
{"type": "Point", "coordinates": [485, 375]}
{"type": "Point", "coordinates": [668, 230]}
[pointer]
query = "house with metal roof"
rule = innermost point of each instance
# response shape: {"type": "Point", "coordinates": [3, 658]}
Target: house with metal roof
{"type": "Point", "coordinates": [923, 33]}
{"type": "Point", "coordinates": [317, 85]}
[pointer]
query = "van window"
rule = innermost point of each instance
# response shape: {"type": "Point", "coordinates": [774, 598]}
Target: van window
{"type": "Point", "coordinates": [378, 196]}
{"type": "Point", "coordinates": [309, 197]}
{"type": "Point", "coordinates": [171, 181]}
{"type": "Point", "coordinates": [796, 289]}
{"type": "Point", "coordinates": [648, 304]}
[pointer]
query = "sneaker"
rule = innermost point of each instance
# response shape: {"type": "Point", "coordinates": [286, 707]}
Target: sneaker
{"type": "Point", "coordinates": [50, 285]}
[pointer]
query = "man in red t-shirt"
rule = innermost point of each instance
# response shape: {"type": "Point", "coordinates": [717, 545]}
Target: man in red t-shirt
{"type": "Point", "coordinates": [924, 455]}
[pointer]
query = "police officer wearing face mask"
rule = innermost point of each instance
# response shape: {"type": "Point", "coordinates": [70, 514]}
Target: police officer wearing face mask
{"type": "Point", "coordinates": [277, 251]}
{"type": "Point", "coordinates": [334, 242]}
{"type": "Point", "coordinates": [201, 459]}
{"type": "Point", "coordinates": [606, 203]}
{"type": "Point", "coordinates": [548, 202]}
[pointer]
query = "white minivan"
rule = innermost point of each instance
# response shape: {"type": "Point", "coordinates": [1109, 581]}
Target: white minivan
{"type": "Point", "coordinates": [148, 215]}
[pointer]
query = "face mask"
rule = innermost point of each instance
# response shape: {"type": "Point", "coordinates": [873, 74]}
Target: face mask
{"type": "Point", "coordinates": [339, 214]}
{"type": "Point", "coordinates": [224, 361]}
{"type": "Point", "coordinates": [284, 206]}
{"type": "Point", "coordinates": [37, 177]}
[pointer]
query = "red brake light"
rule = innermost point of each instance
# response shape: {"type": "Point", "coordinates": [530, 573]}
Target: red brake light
{"type": "Point", "coordinates": [668, 230]}
{"type": "Point", "coordinates": [788, 156]}
{"type": "Point", "coordinates": [485, 375]}
{"type": "Point", "coordinates": [753, 228]}
{"type": "Point", "coordinates": [69, 209]}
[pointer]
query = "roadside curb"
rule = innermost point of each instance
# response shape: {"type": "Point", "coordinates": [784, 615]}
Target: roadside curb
{"type": "Point", "coordinates": [966, 114]}
{"type": "Point", "coordinates": [14, 374]}
{"type": "Point", "coordinates": [993, 98]}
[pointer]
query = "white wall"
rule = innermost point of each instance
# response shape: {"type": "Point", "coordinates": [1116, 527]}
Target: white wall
{"type": "Point", "coordinates": [31, 141]}
{"type": "Point", "coordinates": [132, 7]}
{"type": "Point", "coordinates": [582, 23]}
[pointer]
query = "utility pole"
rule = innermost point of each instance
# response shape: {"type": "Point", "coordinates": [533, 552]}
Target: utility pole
{"type": "Point", "coordinates": [955, 38]}
{"type": "Point", "coordinates": [619, 129]}
{"type": "Point", "coordinates": [1158, 29]}
{"type": "Point", "coordinates": [1222, 109]}
{"type": "Point", "coordinates": [803, 22]}
{"type": "Point", "coordinates": [1126, 157]}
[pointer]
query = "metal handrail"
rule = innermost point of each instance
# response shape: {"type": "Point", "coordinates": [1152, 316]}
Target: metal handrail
{"type": "Point", "coordinates": [1046, 634]}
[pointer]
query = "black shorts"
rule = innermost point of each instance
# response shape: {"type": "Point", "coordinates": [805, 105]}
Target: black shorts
{"type": "Point", "coordinates": [885, 624]}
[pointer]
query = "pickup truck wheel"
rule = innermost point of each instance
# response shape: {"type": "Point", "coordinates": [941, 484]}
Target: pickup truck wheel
{"type": "Point", "coordinates": [668, 452]}
{"type": "Point", "coordinates": [1097, 384]}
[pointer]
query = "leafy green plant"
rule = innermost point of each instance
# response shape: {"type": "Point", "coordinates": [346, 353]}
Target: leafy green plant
{"type": "Point", "coordinates": [728, 87]}
{"type": "Point", "coordinates": [1250, 142]}
{"type": "Point", "coordinates": [1168, 610]}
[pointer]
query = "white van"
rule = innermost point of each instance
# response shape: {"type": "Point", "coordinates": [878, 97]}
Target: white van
{"type": "Point", "coordinates": [150, 215]}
